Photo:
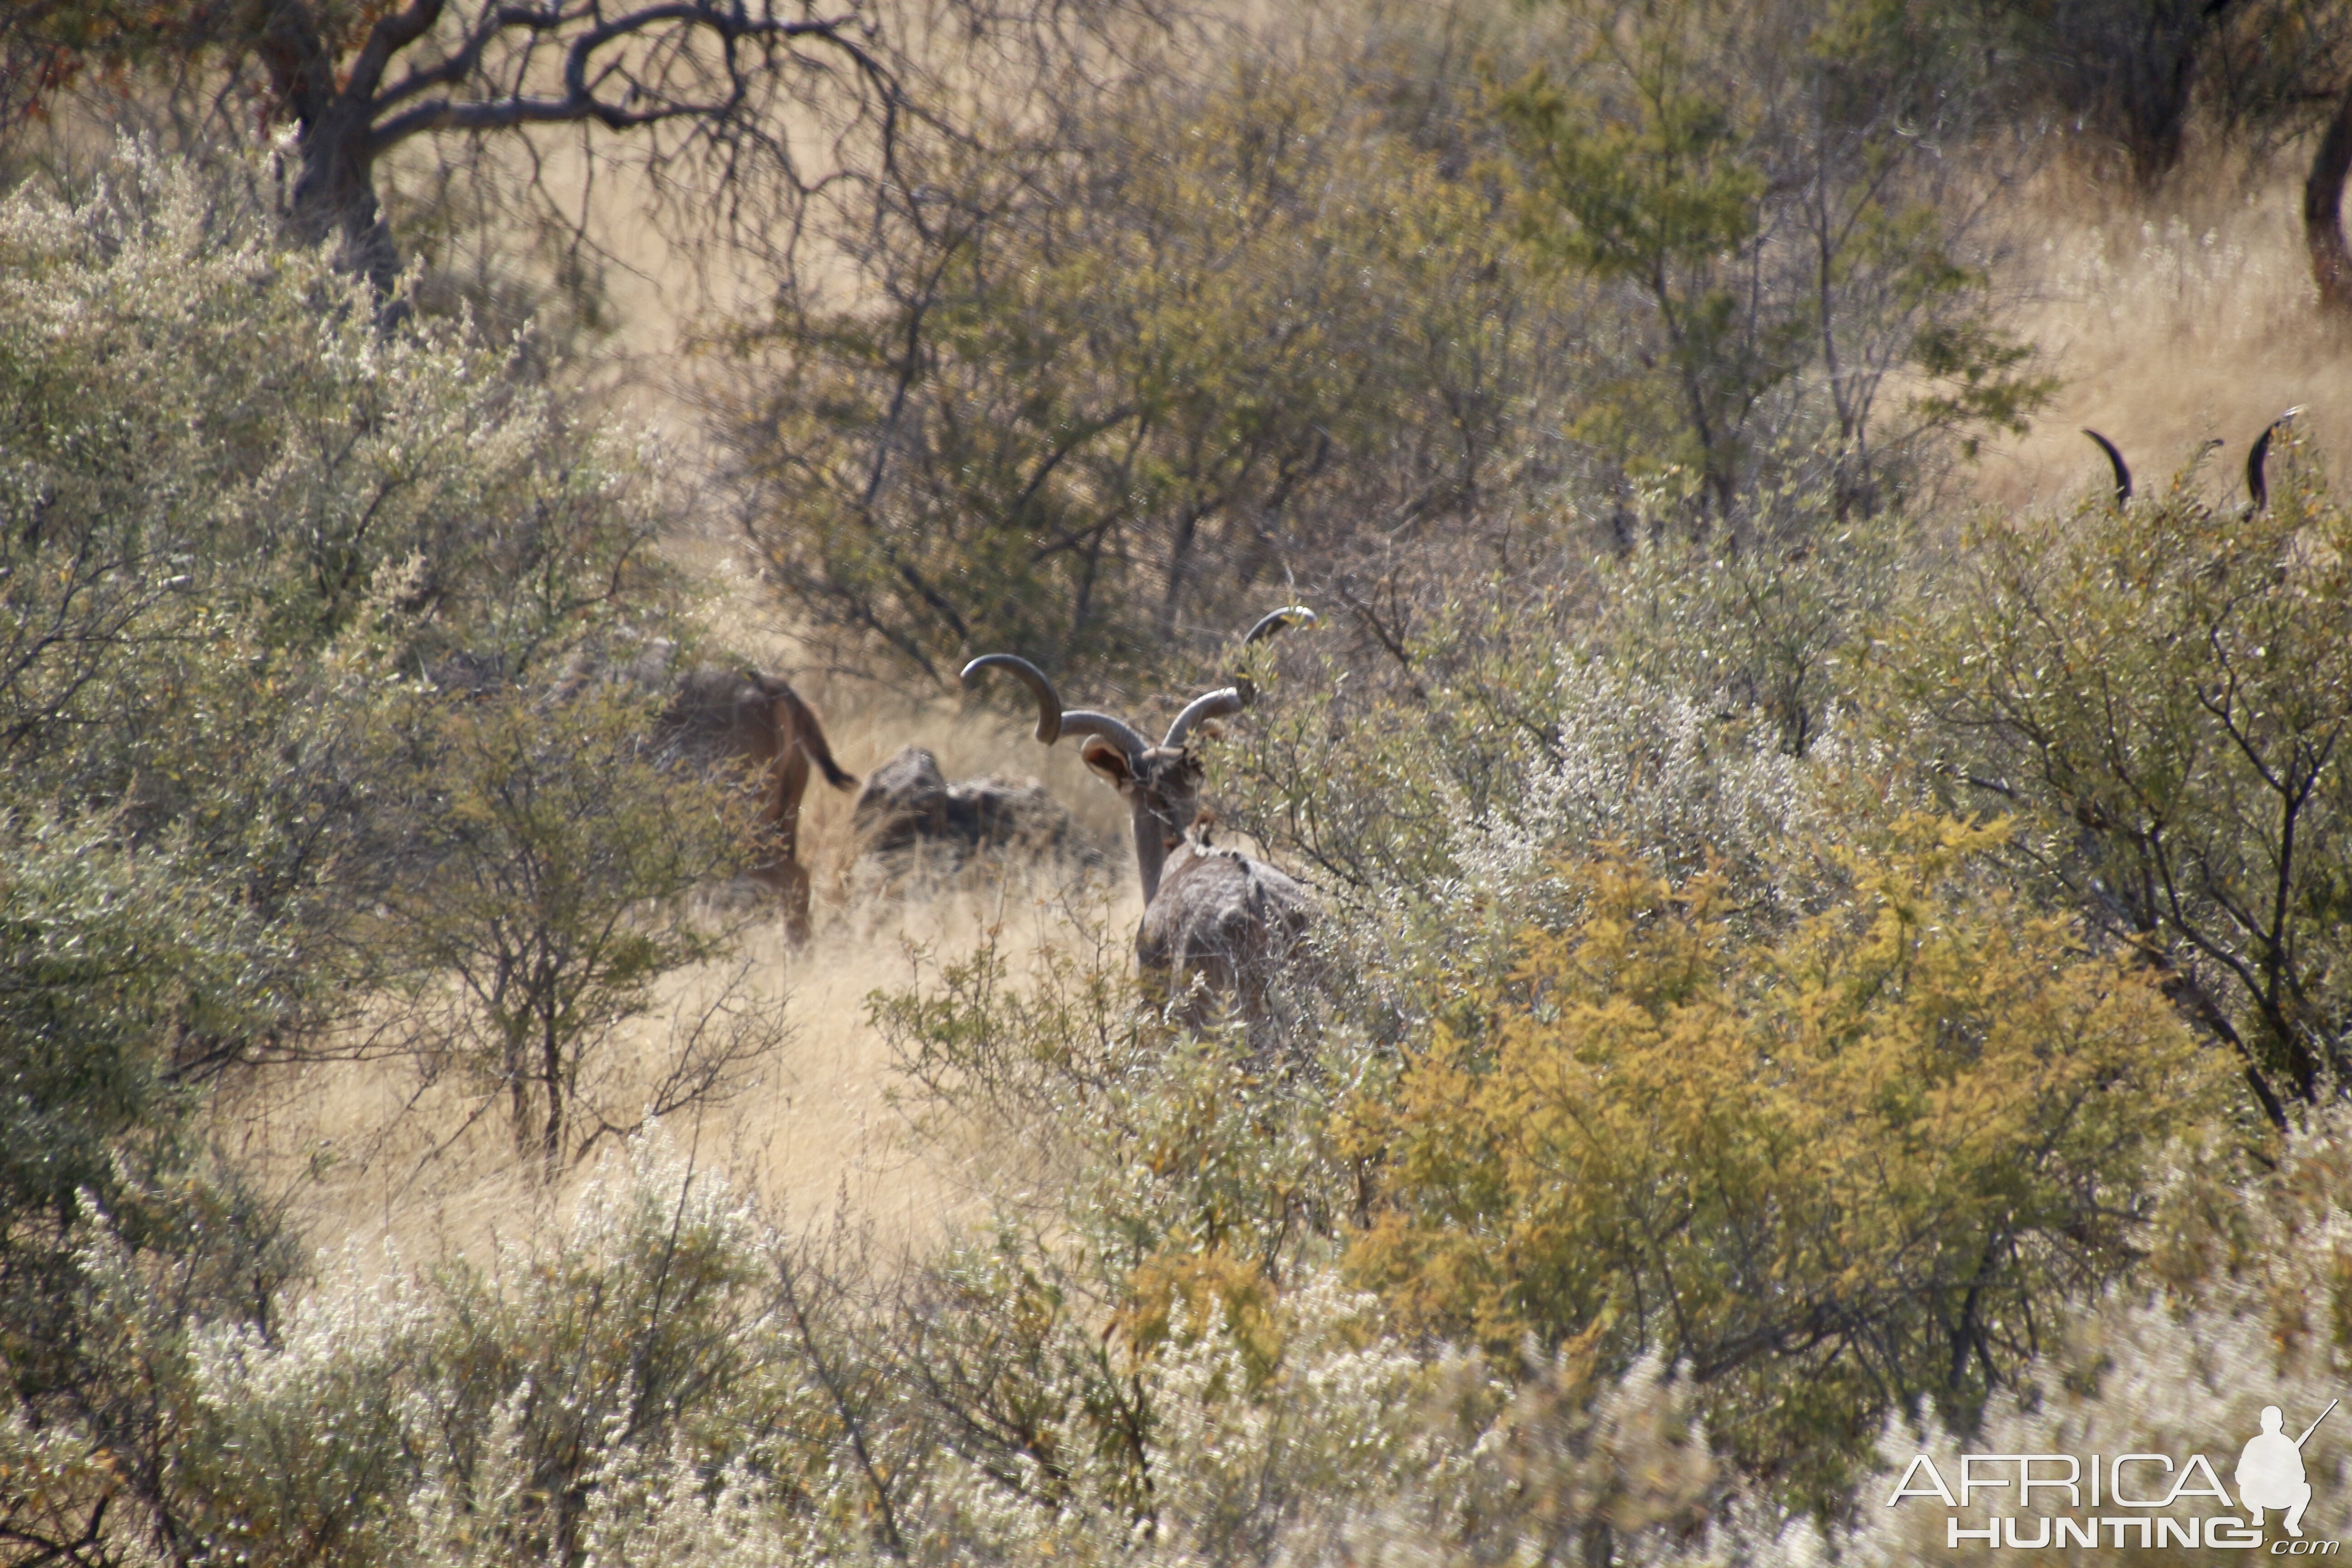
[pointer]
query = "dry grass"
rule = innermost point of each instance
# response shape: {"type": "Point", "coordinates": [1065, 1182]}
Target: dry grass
{"type": "Point", "coordinates": [825, 1132]}
{"type": "Point", "coordinates": [2169, 330]}
{"type": "Point", "coordinates": [2171, 327]}
{"type": "Point", "coordinates": [369, 1152]}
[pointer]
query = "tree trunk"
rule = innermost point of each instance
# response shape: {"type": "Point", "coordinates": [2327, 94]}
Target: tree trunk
{"type": "Point", "coordinates": [2322, 212]}
{"type": "Point", "coordinates": [2158, 68]}
{"type": "Point", "coordinates": [2157, 79]}
{"type": "Point", "coordinates": [1180, 565]}
{"type": "Point", "coordinates": [551, 1065]}
{"type": "Point", "coordinates": [518, 1094]}
{"type": "Point", "coordinates": [334, 189]}
{"type": "Point", "coordinates": [335, 199]}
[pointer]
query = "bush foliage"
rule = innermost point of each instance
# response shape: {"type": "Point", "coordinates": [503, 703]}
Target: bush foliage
{"type": "Point", "coordinates": [2160, 693]}
{"type": "Point", "coordinates": [1805, 974]}
{"type": "Point", "coordinates": [263, 567]}
{"type": "Point", "coordinates": [1099, 391]}
{"type": "Point", "coordinates": [1833, 1173]}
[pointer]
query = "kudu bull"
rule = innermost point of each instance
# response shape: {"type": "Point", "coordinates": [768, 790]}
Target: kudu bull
{"type": "Point", "coordinates": [1231, 919]}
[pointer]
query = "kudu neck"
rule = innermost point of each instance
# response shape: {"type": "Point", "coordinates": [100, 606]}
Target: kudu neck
{"type": "Point", "coordinates": [1150, 848]}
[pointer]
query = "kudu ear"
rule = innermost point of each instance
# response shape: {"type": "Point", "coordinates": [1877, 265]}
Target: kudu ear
{"type": "Point", "coordinates": [1109, 761]}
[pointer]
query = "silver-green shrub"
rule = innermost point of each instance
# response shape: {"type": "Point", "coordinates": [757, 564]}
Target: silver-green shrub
{"type": "Point", "coordinates": [258, 549]}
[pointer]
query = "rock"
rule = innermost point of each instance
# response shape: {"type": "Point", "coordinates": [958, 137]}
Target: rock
{"type": "Point", "coordinates": [908, 804]}
{"type": "Point", "coordinates": [905, 801]}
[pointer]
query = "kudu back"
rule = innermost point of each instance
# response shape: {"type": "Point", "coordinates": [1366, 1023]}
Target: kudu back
{"type": "Point", "coordinates": [1232, 920]}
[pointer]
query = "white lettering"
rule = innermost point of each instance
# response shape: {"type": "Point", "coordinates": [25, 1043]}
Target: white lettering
{"type": "Point", "coordinates": [2116, 1479]}
{"type": "Point", "coordinates": [1934, 1488]}
{"type": "Point", "coordinates": [2062, 1526]}
{"type": "Point", "coordinates": [2228, 1531]}
{"type": "Point", "coordinates": [2212, 1489]}
{"type": "Point", "coordinates": [2026, 1483]}
{"type": "Point", "coordinates": [1968, 1479]}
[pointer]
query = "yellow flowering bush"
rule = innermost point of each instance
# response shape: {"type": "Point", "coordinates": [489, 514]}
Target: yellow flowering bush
{"type": "Point", "coordinates": [1833, 1170]}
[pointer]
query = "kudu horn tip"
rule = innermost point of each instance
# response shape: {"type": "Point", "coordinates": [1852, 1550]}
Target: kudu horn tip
{"type": "Point", "coordinates": [1274, 621]}
{"type": "Point", "coordinates": [1049, 701]}
{"type": "Point", "coordinates": [2115, 462]}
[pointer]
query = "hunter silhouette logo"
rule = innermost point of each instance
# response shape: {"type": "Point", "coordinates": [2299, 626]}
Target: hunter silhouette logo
{"type": "Point", "coordinates": [2270, 1471]}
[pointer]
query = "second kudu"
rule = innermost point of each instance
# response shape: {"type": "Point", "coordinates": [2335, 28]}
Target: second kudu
{"type": "Point", "coordinates": [1229, 917]}
{"type": "Point", "coordinates": [2258, 489]}
{"type": "Point", "coordinates": [758, 722]}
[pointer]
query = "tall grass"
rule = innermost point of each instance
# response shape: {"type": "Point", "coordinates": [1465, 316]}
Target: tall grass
{"type": "Point", "coordinates": [2171, 325]}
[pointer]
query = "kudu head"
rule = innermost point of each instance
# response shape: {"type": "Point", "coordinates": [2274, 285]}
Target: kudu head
{"type": "Point", "coordinates": [2258, 493]}
{"type": "Point", "coordinates": [1162, 784]}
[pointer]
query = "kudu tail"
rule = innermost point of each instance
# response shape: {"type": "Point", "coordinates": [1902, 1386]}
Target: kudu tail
{"type": "Point", "coordinates": [810, 737]}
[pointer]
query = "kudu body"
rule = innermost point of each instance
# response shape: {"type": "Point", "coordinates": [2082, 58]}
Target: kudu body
{"type": "Point", "coordinates": [758, 724]}
{"type": "Point", "coordinates": [2258, 493]}
{"type": "Point", "coordinates": [1229, 917]}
